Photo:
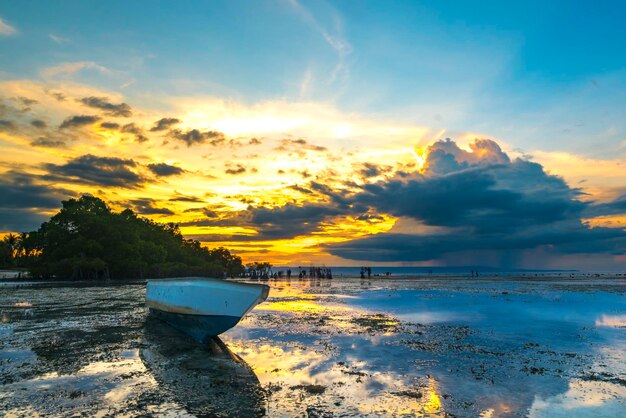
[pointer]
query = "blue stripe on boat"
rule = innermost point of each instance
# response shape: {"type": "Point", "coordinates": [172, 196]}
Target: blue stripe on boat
{"type": "Point", "coordinates": [200, 327]}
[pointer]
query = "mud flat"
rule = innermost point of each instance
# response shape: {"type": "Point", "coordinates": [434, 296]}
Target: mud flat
{"type": "Point", "coordinates": [493, 346]}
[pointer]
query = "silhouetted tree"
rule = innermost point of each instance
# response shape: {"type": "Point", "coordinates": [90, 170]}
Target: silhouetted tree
{"type": "Point", "coordinates": [86, 240]}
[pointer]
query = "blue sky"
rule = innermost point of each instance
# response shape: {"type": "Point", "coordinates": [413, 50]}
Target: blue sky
{"type": "Point", "coordinates": [545, 80]}
{"type": "Point", "coordinates": [549, 73]}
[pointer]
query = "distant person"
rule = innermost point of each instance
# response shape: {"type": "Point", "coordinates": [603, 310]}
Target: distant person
{"type": "Point", "coordinates": [369, 272]}
{"type": "Point", "coordinates": [362, 272]}
{"type": "Point", "coordinates": [289, 274]}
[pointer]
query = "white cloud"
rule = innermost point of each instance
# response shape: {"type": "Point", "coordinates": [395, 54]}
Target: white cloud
{"type": "Point", "coordinates": [611, 321]}
{"type": "Point", "coordinates": [70, 68]}
{"type": "Point", "coordinates": [6, 29]}
{"type": "Point", "coordinates": [322, 123]}
{"type": "Point", "coordinates": [305, 84]}
{"type": "Point", "coordinates": [58, 39]}
{"type": "Point", "coordinates": [335, 40]}
{"type": "Point", "coordinates": [582, 399]}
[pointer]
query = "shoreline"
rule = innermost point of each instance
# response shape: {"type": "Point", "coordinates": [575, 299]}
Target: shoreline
{"type": "Point", "coordinates": [538, 277]}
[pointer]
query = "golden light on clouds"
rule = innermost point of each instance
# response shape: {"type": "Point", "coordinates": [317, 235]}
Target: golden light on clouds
{"type": "Point", "coordinates": [226, 170]}
{"type": "Point", "coordinates": [421, 154]}
{"type": "Point", "coordinates": [609, 221]}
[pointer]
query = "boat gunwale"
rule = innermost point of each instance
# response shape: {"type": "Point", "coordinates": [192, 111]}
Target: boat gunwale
{"type": "Point", "coordinates": [194, 280]}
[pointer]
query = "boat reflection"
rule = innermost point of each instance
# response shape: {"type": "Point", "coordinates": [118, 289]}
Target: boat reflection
{"type": "Point", "coordinates": [205, 379]}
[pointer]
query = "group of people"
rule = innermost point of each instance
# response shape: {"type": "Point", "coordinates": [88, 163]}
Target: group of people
{"type": "Point", "coordinates": [311, 272]}
{"type": "Point", "coordinates": [316, 273]}
{"type": "Point", "coordinates": [366, 271]}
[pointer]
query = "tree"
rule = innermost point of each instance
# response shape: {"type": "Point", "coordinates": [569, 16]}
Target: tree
{"type": "Point", "coordinates": [86, 240]}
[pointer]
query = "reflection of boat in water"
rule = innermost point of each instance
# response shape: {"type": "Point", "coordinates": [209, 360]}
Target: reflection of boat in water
{"type": "Point", "coordinates": [205, 379]}
{"type": "Point", "coordinates": [203, 308]}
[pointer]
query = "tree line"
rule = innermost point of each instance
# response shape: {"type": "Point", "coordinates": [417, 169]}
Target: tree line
{"type": "Point", "coordinates": [86, 240]}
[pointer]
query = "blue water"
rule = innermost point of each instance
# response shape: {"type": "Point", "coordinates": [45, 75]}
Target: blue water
{"type": "Point", "coordinates": [549, 317]}
{"type": "Point", "coordinates": [495, 347]}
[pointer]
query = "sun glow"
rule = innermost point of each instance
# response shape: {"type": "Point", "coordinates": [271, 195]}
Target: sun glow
{"type": "Point", "coordinates": [421, 156]}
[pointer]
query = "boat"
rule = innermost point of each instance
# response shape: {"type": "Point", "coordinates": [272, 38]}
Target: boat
{"type": "Point", "coordinates": [206, 380]}
{"type": "Point", "coordinates": [201, 307]}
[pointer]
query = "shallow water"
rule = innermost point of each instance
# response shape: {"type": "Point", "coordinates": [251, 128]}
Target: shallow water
{"type": "Point", "coordinates": [429, 346]}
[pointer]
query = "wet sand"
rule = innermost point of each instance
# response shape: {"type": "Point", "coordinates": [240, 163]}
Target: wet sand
{"type": "Point", "coordinates": [549, 346]}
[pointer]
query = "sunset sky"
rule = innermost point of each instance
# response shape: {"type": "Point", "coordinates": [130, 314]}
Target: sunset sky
{"type": "Point", "coordinates": [340, 133]}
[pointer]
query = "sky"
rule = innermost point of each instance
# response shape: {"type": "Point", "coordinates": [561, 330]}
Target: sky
{"type": "Point", "coordinates": [338, 133]}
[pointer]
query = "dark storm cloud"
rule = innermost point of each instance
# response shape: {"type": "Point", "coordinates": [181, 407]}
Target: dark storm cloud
{"type": "Point", "coordinates": [477, 202]}
{"type": "Point", "coordinates": [37, 123]}
{"type": "Point", "coordinates": [147, 206]}
{"type": "Point", "coordinates": [61, 97]}
{"type": "Point", "coordinates": [220, 238]}
{"type": "Point", "coordinates": [300, 189]}
{"type": "Point", "coordinates": [209, 212]}
{"type": "Point", "coordinates": [182, 198]}
{"type": "Point", "coordinates": [21, 190]}
{"type": "Point", "coordinates": [480, 201]}
{"type": "Point", "coordinates": [194, 136]}
{"type": "Point", "coordinates": [131, 128]}
{"type": "Point", "coordinates": [22, 198]}
{"type": "Point", "coordinates": [372, 170]}
{"type": "Point", "coordinates": [336, 196]}
{"type": "Point", "coordinates": [103, 103]}
{"type": "Point", "coordinates": [278, 222]}
{"type": "Point", "coordinates": [557, 239]}
{"type": "Point", "coordinates": [497, 197]}
{"type": "Point", "coordinates": [91, 169]}
{"type": "Point", "coordinates": [79, 120]}
{"type": "Point", "coordinates": [289, 220]}
{"type": "Point", "coordinates": [163, 169]}
{"type": "Point", "coordinates": [164, 123]}
{"type": "Point", "coordinates": [7, 125]}
{"type": "Point", "coordinates": [48, 143]}
{"type": "Point", "coordinates": [110, 125]}
{"type": "Point", "coordinates": [615, 207]}
{"type": "Point", "coordinates": [299, 144]}
{"type": "Point", "coordinates": [370, 218]}
{"type": "Point", "coordinates": [21, 220]}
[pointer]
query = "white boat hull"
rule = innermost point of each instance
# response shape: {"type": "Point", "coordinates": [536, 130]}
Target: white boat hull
{"type": "Point", "coordinates": [200, 307]}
